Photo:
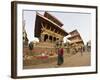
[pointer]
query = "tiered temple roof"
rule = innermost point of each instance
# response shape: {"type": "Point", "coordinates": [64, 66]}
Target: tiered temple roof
{"type": "Point", "coordinates": [75, 37]}
{"type": "Point", "coordinates": [49, 19]}
{"type": "Point", "coordinates": [53, 18]}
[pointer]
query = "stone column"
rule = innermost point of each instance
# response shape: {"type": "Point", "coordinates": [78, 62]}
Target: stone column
{"type": "Point", "coordinates": [48, 39]}
{"type": "Point", "coordinates": [52, 39]}
{"type": "Point", "coordinates": [42, 38]}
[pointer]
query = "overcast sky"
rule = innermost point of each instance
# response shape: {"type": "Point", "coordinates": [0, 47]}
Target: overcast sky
{"type": "Point", "coordinates": [71, 21]}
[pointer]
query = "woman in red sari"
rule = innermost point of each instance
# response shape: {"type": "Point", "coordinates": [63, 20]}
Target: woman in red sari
{"type": "Point", "coordinates": [60, 56]}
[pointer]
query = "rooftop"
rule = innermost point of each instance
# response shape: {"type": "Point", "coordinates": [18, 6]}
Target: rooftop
{"type": "Point", "coordinates": [53, 18]}
{"type": "Point", "coordinates": [40, 18]}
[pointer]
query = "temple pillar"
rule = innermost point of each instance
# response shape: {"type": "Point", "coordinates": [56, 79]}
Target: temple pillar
{"type": "Point", "coordinates": [42, 37]}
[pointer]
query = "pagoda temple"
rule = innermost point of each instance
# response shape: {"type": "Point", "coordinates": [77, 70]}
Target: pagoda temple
{"type": "Point", "coordinates": [48, 28]}
{"type": "Point", "coordinates": [75, 39]}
